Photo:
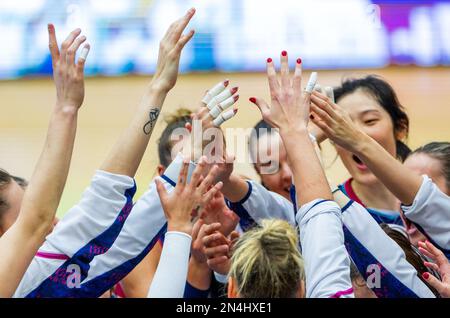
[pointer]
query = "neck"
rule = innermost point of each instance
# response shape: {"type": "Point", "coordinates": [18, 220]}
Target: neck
{"type": "Point", "coordinates": [375, 196]}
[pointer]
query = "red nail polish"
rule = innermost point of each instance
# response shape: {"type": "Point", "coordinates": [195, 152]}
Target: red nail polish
{"type": "Point", "coordinates": [234, 90]}
{"type": "Point", "coordinates": [299, 61]}
{"type": "Point", "coordinates": [311, 116]}
{"type": "Point", "coordinates": [252, 99]}
{"type": "Point", "coordinates": [269, 60]}
{"type": "Point", "coordinates": [226, 83]}
{"type": "Point", "coordinates": [235, 111]}
{"type": "Point", "coordinates": [425, 276]}
{"type": "Point", "coordinates": [284, 53]}
{"type": "Point", "coordinates": [236, 98]}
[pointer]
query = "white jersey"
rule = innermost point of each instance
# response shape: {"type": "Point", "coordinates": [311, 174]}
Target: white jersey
{"type": "Point", "coordinates": [98, 242]}
{"type": "Point", "coordinates": [430, 212]}
{"type": "Point", "coordinates": [327, 265]}
{"type": "Point", "coordinates": [379, 259]}
{"type": "Point", "coordinates": [363, 246]}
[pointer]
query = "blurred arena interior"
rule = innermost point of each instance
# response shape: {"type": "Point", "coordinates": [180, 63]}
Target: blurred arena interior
{"type": "Point", "coordinates": [406, 42]}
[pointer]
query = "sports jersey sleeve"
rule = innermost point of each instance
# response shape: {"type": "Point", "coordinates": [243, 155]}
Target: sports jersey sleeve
{"type": "Point", "coordinates": [171, 274]}
{"type": "Point", "coordinates": [260, 203]}
{"type": "Point", "coordinates": [430, 212]}
{"type": "Point", "coordinates": [379, 259]}
{"type": "Point", "coordinates": [327, 265]}
{"type": "Point", "coordinates": [88, 229]}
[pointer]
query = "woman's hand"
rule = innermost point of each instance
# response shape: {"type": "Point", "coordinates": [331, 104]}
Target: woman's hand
{"type": "Point", "coordinates": [441, 265]}
{"type": "Point", "coordinates": [68, 75]}
{"type": "Point", "coordinates": [169, 53]}
{"type": "Point", "coordinates": [216, 211]}
{"type": "Point", "coordinates": [336, 123]}
{"type": "Point", "coordinates": [218, 248]}
{"type": "Point", "coordinates": [289, 109]}
{"type": "Point", "coordinates": [182, 205]}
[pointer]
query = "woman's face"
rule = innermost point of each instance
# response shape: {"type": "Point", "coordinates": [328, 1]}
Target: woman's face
{"type": "Point", "coordinates": [424, 164]}
{"type": "Point", "coordinates": [375, 122]}
{"type": "Point", "coordinates": [272, 165]}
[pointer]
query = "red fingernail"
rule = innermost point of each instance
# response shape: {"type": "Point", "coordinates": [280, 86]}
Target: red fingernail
{"type": "Point", "coordinates": [252, 99]}
{"type": "Point", "coordinates": [269, 60]}
{"type": "Point", "coordinates": [234, 90]}
{"type": "Point", "coordinates": [226, 83]}
{"type": "Point", "coordinates": [236, 98]}
{"type": "Point", "coordinates": [235, 111]}
{"type": "Point", "coordinates": [299, 61]}
{"type": "Point", "coordinates": [311, 116]}
{"type": "Point", "coordinates": [284, 53]}
{"type": "Point", "coordinates": [425, 276]}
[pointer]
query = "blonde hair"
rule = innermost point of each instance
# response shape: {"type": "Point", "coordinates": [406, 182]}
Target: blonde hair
{"type": "Point", "coordinates": [266, 261]}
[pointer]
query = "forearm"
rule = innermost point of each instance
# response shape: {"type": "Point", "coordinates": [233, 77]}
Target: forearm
{"type": "Point", "coordinates": [199, 275]}
{"type": "Point", "coordinates": [127, 153]}
{"type": "Point", "coordinates": [309, 177]}
{"type": "Point", "coordinates": [44, 191]}
{"type": "Point", "coordinates": [401, 181]}
{"type": "Point", "coordinates": [235, 188]}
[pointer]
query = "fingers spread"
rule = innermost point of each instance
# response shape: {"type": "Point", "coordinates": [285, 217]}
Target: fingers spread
{"type": "Point", "coordinates": [222, 106]}
{"type": "Point", "coordinates": [224, 117]}
{"type": "Point", "coordinates": [221, 97]}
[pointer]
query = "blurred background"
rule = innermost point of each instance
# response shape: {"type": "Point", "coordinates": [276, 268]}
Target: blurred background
{"type": "Point", "coordinates": [406, 42]}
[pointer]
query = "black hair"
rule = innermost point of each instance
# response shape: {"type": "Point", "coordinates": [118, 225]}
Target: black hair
{"type": "Point", "coordinates": [386, 97]}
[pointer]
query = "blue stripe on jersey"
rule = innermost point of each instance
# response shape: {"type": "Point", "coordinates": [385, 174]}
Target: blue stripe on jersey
{"type": "Point", "coordinates": [100, 284]}
{"type": "Point", "coordinates": [379, 216]}
{"type": "Point", "coordinates": [390, 286]}
{"type": "Point", "coordinates": [246, 221]}
{"type": "Point", "coordinates": [56, 284]}
{"type": "Point", "coordinates": [172, 183]}
{"type": "Point", "coordinates": [293, 196]}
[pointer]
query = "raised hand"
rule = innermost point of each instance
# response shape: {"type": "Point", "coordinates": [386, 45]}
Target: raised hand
{"type": "Point", "coordinates": [335, 122]}
{"type": "Point", "coordinates": [441, 265]}
{"type": "Point", "coordinates": [289, 109]}
{"type": "Point", "coordinates": [68, 74]}
{"type": "Point", "coordinates": [170, 51]}
{"type": "Point", "coordinates": [216, 211]}
{"type": "Point", "coordinates": [218, 248]}
{"type": "Point", "coordinates": [182, 205]}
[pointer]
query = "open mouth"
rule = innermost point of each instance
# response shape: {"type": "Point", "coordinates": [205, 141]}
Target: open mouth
{"type": "Point", "coordinates": [359, 163]}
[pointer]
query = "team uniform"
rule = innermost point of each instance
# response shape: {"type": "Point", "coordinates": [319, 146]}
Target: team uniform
{"type": "Point", "coordinates": [327, 265]}
{"type": "Point", "coordinates": [99, 241]}
{"type": "Point", "coordinates": [364, 247]}
{"type": "Point", "coordinates": [430, 213]}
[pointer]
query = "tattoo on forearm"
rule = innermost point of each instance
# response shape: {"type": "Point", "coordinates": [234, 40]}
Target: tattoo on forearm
{"type": "Point", "coordinates": [153, 117]}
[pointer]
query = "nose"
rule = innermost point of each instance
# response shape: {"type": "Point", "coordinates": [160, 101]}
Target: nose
{"type": "Point", "coordinates": [286, 173]}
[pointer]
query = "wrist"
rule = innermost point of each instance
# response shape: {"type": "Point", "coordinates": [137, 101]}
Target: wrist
{"type": "Point", "coordinates": [294, 132]}
{"type": "Point", "coordinates": [361, 142]}
{"type": "Point", "coordinates": [66, 109]}
{"type": "Point", "coordinates": [180, 227]}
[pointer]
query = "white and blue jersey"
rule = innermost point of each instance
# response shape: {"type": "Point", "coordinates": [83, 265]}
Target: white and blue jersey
{"type": "Point", "coordinates": [362, 246]}
{"type": "Point", "coordinates": [100, 240]}
{"type": "Point", "coordinates": [327, 265]}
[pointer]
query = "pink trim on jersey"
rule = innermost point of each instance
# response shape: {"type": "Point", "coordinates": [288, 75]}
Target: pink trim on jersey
{"type": "Point", "coordinates": [350, 193]}
{"type": "Point", "coordinates": [343, 293]}
{"type": "Point", "coordinates": [52, 255]}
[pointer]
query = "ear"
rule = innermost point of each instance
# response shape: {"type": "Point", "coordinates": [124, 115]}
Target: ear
{"type": "Point", "coordinates": [401, 133]}
{"type": "Point", "coordinates": [231, 290]}
{"type": "Point", "coordinates": [160, 169]}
